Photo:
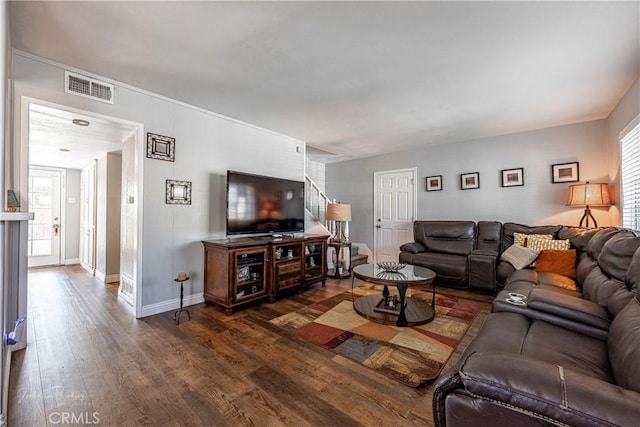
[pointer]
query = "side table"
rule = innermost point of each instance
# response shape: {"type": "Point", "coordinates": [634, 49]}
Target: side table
{"type": "Point", "coordinates": [338, 247]}
{"type": "Point", "coordinates": [176, 315]}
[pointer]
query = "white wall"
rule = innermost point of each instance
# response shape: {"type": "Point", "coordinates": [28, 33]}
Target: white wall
{"type": "Point", "coordinates": [316, 172]}
{"type": "Point", "coordinates": [627, 109]}
{"type": "Point", "coordinates": [206, 146]}
{"type": "Point", "coordinates": [109, 178]}
{"type": "Point", "coordinates": [537, 202]}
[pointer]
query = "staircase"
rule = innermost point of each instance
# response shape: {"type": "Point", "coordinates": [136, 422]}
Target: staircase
{"type": "Point", "coordinates": [358, 258]}
{"type": "Point", "coordinates": [316, 207]}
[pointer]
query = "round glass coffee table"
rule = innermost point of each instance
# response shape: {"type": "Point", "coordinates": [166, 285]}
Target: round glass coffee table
{"type": "Point", "coordinates": [398, 310]}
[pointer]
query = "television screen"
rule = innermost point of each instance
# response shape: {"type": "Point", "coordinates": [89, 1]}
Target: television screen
{"type": "Point", "coordinates": [261, 204]}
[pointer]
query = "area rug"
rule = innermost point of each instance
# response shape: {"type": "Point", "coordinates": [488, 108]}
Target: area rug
{"type": "Point", "coordinates": [412, 355]}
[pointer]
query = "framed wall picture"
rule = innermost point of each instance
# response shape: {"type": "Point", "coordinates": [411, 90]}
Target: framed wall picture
{"type": "Point", "coordinates": [470, 181]}
{"type": "Point", "coordinates": [513, 177]}
{"type": "Point", "coordinates": [161, 147]}
{"type": "Point", "coordinates": [178, 192]}
{"type": "Point", "coordinates": [434, 183]}
{"type": "Point", "coordinates": [565, 172]}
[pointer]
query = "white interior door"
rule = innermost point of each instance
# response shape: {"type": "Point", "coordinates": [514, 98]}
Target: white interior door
{"type": "Point", "coordinates": [88, 217]}
{"type": "Point", "coordinates": [43, 241]}
{"type": "Point", "coordinates": [395, 211]}
{"type": "Point", "coordinates": [129, 210]}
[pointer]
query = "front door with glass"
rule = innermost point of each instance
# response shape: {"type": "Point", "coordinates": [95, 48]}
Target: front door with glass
{"type": "Point", "coordinates": [44, 229]}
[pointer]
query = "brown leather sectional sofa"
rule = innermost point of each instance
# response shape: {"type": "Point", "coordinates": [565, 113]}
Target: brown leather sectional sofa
{"type": "Point", "coordinates": [558, 357]}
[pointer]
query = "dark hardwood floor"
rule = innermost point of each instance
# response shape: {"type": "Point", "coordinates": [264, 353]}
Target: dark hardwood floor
{"type": "Point", "coordinates": [88, 357]}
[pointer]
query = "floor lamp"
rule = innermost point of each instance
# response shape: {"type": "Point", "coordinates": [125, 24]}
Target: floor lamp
{"type": "Point", "coordinates": [588, 195]}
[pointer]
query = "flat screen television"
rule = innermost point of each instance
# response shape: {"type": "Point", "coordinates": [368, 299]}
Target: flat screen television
{"type": "Point", "coordinates": [259, 204]}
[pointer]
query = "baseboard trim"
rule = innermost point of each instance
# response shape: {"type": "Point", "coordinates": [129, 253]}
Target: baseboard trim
{"type": "Point", "coordinates": [172, 304]}
{"type": "Point", "coordinates": [90, 270]}
{"type": "Point", "coordinates": [125, 297]}
{"type": "Point", "coordinates": [72, 261]}
{"type": "Point", "coordinates": [112, 278]}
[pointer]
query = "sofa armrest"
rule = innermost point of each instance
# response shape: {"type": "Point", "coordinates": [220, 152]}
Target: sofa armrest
{"type": "Point", "coordinates": [482, 270]}
{"type": "Point", "coordinates": [413, 247]}
{"type": "Point", "coordinates": [568, 307]}
{"type": "Point", "coordinates": [547, 391]}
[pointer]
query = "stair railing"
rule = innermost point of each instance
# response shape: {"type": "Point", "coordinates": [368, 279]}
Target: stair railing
{"type": "Point", "coordinates": [316, 202]}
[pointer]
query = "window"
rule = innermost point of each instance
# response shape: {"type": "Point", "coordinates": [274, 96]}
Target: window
{"type": "Point", "coordinates": [630, 151]}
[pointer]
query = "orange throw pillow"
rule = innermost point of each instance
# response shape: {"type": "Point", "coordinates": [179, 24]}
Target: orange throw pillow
{"type": "Point", "coordinates": [557, 261]}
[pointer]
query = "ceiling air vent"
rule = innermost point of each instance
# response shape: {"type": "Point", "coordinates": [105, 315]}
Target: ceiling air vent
{"type": "Point", "coordinates": [78, 84]}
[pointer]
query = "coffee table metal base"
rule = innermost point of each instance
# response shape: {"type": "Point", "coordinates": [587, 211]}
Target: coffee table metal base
{"type": "Point", "coordinates": [416, 312]}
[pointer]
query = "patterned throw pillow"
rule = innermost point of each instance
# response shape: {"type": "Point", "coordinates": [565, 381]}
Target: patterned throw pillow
{"type": "Point", "coordinates": [541, 244]}
{"type": "Point", "coordinates": [521, 239]}
{"type": "Point", "coordinates": [519, 256]}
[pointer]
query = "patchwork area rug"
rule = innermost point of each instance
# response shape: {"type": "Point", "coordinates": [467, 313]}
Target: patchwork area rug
{"type": "Point", "coordinates": [412, 355]}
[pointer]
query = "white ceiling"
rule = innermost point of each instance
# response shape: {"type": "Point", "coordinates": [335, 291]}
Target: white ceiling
{"type": "Point", "coordinates": [52, 129]}
{"type": "Point", "coordinates": [356, 79]}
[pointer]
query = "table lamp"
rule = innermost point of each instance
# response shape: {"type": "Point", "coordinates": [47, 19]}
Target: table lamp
{"type": "Point", "coordinates": [588, 195]}
{"type": "Point", "coordinates": [340, 213]}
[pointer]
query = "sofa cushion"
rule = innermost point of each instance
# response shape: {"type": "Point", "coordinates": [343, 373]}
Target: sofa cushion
{"type": "Point", "coordinates": [526, 275]}
{"type": "Point", "coordinates": [624, 346]}
{"type": "Point", "coordinates": [489, 235]}
{"type": "Point", "coordinates": [632, 276]}
{"type": "Point", "coordinates": [451, 269]}
{"type": "Point", "coordinates": [616, 254]}
{"type": "Point", "coordinates": [559, 346]}
{"type": "Point", "coordinates": [447, 237]}
{"type": "Point", "coordinates": [519, 256]}
{"type": "Point", "coordinates": [556, 280]}
{"type": "Point", "coordinates": [599, 239]}
{"type": "Point", "coordinates": [561, 262]}
{"type": "Point", "coordinates": [584, 267]}
{"type": "Point", "coordinates": [506, 332]}
{"type": "Point", "coordinates": [578, 236]}
{"type": "Point", "coordinates": [598, 287]}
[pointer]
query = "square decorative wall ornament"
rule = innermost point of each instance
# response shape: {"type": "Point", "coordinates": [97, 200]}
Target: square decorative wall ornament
{"type": "Point", "coordinates": [470, 181]}
{"type": "Point", "coordinates": [178, 192]}
{"type": "Point", "coordinates": [434, 183]}
{"type": "Point", "coordinates": [513, 177]}
{"type": "Point", "coordinates": [565, 172]}
{"type": "Point", "coordinates": [161, 147]}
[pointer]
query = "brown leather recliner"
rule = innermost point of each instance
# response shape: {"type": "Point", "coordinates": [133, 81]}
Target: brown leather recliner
{"type": "Point", "coordinates": [463, 254]}
{"type": "Point", "coordinates": [561, 359]}
{"type": "Point", "coordinates": [520, 371]}
{"type": "Point", "coordinates": [444, 247]}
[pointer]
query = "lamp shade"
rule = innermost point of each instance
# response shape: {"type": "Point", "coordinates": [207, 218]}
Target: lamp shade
{"type": "Point", "coordinates": [338, 212]}
{"type": "Point", "coordinates": [589, 195]}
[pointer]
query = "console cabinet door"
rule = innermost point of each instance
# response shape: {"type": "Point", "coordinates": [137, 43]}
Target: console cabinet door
{"type": "Point", "coordinates": [315, 263]}
{"type": "Point", "coordinates": [250, 279]}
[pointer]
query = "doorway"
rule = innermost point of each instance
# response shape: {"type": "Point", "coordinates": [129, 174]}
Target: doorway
{"type": "Point", "coordinates": [395, 209]}
{"type": "Point", "coordinates": [70, 139]}
{"type": "Point", "coordinates": [44, 232]}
